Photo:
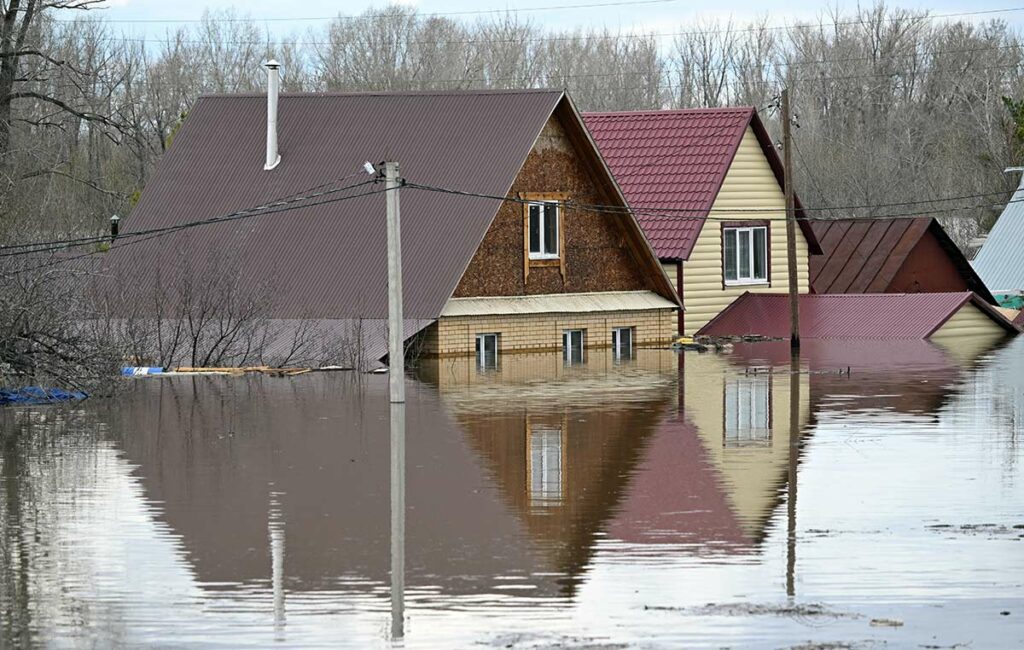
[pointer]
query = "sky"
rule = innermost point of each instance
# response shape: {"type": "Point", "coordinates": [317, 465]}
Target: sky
{"type": "Point", "coordinates": [645, 15]}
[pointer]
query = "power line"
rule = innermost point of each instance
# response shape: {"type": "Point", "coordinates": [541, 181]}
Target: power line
{"type": "Point", "coordinates": [468, 12]}
{"type": "Point", "coordinates": [296, 202]}
{"type": "Point", "coordinates": [695, 214]}
{"type": "Point", "coordinates": [51, 246]}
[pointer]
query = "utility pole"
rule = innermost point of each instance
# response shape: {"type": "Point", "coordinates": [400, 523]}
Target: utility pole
{"type": "Point", "coordinates": [396, 351]}
{"type": "Point", "coordinates": [787, 164]}
{"type": "Point", "coordinates": [396, 379]}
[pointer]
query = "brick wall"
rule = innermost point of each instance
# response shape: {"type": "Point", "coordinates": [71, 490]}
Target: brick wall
{"type": "Point", "coordinates": [456, 336]}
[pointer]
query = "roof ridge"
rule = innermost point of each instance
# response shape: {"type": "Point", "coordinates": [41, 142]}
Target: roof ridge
{"type": "Point", "coordinates": [387, 93]}
{"type": "Point", "coordinates": [673, 111]}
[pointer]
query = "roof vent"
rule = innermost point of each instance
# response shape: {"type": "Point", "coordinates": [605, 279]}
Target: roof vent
{"type": "Point", "coordinates": [273, 86]}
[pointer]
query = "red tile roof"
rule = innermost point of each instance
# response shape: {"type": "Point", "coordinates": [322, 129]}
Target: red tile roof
{"type": "Point", "coordinates": [675, 162]}
{"type": "Point", "coordinates": [864, 255]}
{"type": "Point", "coordinates": [847, 316]}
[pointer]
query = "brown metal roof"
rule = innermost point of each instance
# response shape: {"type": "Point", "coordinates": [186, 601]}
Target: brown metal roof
{"type": "Point", "coordinates": [864, 255]}
{"type": "Point", "coordinates": [329, 261]}
{"type": "Point", "coordinates": [847, 316]}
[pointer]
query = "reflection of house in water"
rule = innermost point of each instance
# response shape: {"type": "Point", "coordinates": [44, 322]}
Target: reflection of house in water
{"type": "Point", "coordinates": [515, 475]}
{"type": "Point", "coordinates": [699, 462]}
{"type": "Point", "coordinates": [715, 471]}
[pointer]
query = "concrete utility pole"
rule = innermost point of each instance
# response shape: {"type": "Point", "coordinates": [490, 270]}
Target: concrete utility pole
{"type": "Point", "coordinates": [396, 378]}
{"type": "Point", "coordinates": [787, 164]}
{"type": "Point", "coordinates": [396, 350]}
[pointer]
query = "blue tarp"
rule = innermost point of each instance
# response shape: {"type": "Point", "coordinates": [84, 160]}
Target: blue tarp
{"type": "Point", "coordinates": [37, 395]}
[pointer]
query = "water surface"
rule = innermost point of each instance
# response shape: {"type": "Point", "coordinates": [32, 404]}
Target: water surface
{"type": "Point", "coordinates": [701, 500]}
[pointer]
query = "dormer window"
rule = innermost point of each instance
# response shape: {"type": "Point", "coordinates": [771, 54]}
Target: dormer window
{"type": "Point", "coordinates": [543, 230]}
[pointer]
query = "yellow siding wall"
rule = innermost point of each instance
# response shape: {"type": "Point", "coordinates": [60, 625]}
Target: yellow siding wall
{"type": "Point", "coordinates": [968, 321]}
{"type": "Point", "coordinates": [749, 183]}
{"type": "Point", "coordinates": [672, 271]}
{"type": "Point", "coordinates": [456, 336]}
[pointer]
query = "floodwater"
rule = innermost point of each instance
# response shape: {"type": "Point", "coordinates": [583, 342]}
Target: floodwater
{"type": "Point", "coordinates": [693, 500]}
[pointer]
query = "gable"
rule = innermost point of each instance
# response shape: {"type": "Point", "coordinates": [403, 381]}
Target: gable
{"type": "Point", "coordinates": [600, 251]}
{"type": "Point", "coordinates": [906, 255]}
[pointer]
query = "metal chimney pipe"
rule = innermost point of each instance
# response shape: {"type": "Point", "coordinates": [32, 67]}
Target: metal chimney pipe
{"type": "Point", "coordinates": [273, 86]}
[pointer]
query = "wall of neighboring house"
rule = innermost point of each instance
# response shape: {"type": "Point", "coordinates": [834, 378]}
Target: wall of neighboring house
{"type": "Point", "coordinates": [456, 336]}
{"type": "Point", "coordinates": [753, 463]}
{"type": "Point", "coordinates": [749, 183]}
{"type": "Point", "coordinates": [927, 269]}
{"type": "Point", "coordinates": [968, 321]}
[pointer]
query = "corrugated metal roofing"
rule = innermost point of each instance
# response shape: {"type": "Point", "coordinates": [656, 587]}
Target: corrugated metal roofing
{"type": "Point", "coordinates": [999, 260]}
{"type": "Point", "coordinates": [558, 303]}
{"type": "Point", "coordinates": [676, 161]}
{"type": "Point", "coordinates": [846, 316]}
{"type": "Point", "coordinates": [864, 255]}
{"type": "Point", "coordinates": [328, 261]}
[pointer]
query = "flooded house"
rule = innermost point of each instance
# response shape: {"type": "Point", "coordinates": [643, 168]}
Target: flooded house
{"type": "Point", "coordinates": [956, 320]}
{"type": "Point", "coordinates": [707, 188]}
{"type": "Point", "coordinates": [999, 260]}
{"type": "Point", "coordinates": [515, 235]}
{"type": "Point", "coordinates": [903, 255]}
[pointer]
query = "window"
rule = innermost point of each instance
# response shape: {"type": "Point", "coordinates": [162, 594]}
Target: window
{"type": "Point", "coordinates": [543, 230]}
{"type": "Point", "coordinates": [622, 343]}
{"type": "Point", "coordinates": [745, 255]}
{"type": "Point", "coordinates": [748, 412]}
{"type": "Point", "coordinates": [546, 464]}
{"type": "Point", "coordinates": [572, 347]}
{"type": "Point", "coordinates": [486, 351]}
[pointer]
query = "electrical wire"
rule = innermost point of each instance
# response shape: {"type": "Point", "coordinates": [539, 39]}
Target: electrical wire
{"type": "Point", "coordinates": [696, 214]}
{"type": "Point", "coordinates": [153, 233]}
{"type": "Point", "coordinates": [51, 246]}
{"type": "Point", "coordinates": [469, 12]}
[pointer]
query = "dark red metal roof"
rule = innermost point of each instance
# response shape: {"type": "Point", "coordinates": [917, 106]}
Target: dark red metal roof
{"type": "Point", "coordinates": [846, 316]}
{"type": "Point", "coordinates": [864, 255]}
{"type": "Point", "coordinates": [328, 261]}
{"type": "Point", "coordinates": [676, 161]}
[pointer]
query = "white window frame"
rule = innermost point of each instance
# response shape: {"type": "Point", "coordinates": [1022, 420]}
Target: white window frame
{"type": "Point", "coordinates": [748, 411]}
{"type": "Point", "coordinates": [617, 346]}
{"type": "Point", "coordinates": [481, 350]}
{"type": "Point", "coordinates": [545, 207]}
{"type": "Point", "coordinates": [567, 347]}
{"type": "Point", "coordinates": [546, 457]}
{"type": "Point", "coordinates": [750, 278]}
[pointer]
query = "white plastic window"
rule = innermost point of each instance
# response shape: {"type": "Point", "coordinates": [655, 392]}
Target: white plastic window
{"type": "Point", "coordinates": [745, 255]}
{"type": "Point", "coordinates": [544, 231]}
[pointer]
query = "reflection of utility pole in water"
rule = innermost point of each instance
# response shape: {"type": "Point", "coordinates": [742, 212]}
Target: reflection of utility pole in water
{"type": "Point", "coordinates": [397, 520]}
{"type": "Point", "coordinates": [276, 527]}
{"type": "Point", "coordinates": [794, 454]}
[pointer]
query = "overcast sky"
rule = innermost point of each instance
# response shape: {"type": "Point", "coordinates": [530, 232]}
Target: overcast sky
{"type": "Point", "coordinates": [647, 15]}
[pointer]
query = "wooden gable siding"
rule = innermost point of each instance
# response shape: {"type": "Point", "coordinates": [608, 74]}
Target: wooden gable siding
{"type": "Point", "coordinates": [927, 269]}
{"type": "Point", "coordinates": [596, 253]}
{"type": "Point", "coordinates": [749, 183]}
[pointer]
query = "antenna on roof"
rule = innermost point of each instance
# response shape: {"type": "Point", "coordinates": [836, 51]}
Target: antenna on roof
{"type": "Point", "coordinates": [273, 86]}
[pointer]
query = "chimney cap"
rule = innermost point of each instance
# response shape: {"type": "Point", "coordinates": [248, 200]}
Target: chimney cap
{"type": "Point", "coordinates": [272, 64]}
